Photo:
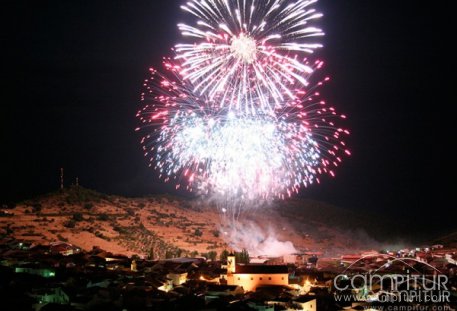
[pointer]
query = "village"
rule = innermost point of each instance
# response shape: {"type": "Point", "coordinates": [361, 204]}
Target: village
{"type": "Point", "coordinates": [62, 276]}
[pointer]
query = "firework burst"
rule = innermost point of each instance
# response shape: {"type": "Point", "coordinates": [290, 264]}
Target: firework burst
{"type": "Point", "coordinates": [214, 151]}
{"type": "Point", "coordinates": [246, 54]}
{"type": "Point", "coordinates": [236, 115]}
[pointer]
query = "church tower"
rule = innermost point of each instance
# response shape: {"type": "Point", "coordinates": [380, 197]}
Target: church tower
{"type": "Point", "coordinates": [231, 269]}
{"type": "Point", "coordinates": [231, 264]}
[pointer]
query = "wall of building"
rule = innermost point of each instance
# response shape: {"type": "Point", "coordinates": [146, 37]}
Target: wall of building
{"type": "Point", "coordinates": [250, 282]}
{"type": "Point", "coordinates": [309, 306]}
{"type": "Point", "coordinates": [177, 278]}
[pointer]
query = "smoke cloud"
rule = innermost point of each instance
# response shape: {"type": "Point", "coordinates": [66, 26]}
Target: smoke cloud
{"type": "Point", "coordinates": [257, 241]}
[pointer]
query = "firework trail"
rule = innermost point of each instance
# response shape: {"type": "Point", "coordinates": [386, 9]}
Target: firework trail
{"type": "Point", "coordinates": [246, 54]}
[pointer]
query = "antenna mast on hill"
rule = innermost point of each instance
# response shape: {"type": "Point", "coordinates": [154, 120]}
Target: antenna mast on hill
{"type": "Point", "coordinates": [61, 178]}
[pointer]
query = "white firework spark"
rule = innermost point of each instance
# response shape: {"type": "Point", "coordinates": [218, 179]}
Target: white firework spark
{"type": "Point", "coordinates": [247, 54]}
{"type": "Point", "coordinates": [236, 156]}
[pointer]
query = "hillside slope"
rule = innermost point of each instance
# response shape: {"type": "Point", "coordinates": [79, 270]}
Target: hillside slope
{"type": "Point", "coordinates": [166, 226]}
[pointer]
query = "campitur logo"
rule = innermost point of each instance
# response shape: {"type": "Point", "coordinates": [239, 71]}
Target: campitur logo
{"type": "Point", "coordinates": [412, 285]}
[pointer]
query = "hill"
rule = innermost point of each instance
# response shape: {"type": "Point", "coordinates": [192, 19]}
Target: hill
{"type": "Point", "coordinates": [166, 226]}
{"type": "Point", "coordinates": [449, 240]}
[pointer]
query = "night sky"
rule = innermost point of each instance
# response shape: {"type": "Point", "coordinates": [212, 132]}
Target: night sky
{"type": "Point", "coordinates": [72, 76]}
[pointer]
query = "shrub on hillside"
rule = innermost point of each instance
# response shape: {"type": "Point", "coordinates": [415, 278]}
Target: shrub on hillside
{"type": "Point", "coordinates": [103, 217]}
{"type": "Point", "coordinates": [61, 238]}
{"type": "Point", "coordinates": [198, 232]}
{"type": "Point", "coordinates": [36, 207]}
{"type": "Point", "coordinates": [78, 217]}
{"type": "Point", "coordinates": [70, 224]}
{"type": "Point", "coordinates": [215, 233]}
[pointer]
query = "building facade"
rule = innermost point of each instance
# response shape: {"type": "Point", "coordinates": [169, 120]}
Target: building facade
{"type": "Point", "coordinates": [251, 276]}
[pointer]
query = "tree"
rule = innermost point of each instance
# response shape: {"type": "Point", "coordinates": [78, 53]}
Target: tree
{"type": "Point", "coordinates": [212, 255]}
{"type": "Point", "coordinates": [198, 232]}
{"type": "Point", "coordinates": [216, 233]}
{"type": "Point", "coordinates": [242, 257]}
{"type": "Point", "coordinates": [152, 253]}
{"type": "Point", "coordinates": [168, 254]}
{"type": "Point", "coordinates": [245, 256]}
{"type": "Point", "coordinates": [224, 255]}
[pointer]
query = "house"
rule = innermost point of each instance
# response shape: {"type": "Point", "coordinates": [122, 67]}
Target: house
{"type": "Point", "coordinates": [251, 276]}
{"type": "Point", "coordinates": [224, 290]}
{"type": "Point", "coordinates": [36, 270]}
{"type": "Point", "coordinates": [260, 306]}
{"type": "Point", "coordinates": [64, 248]}
{"type": "Point", "coordinates": [40, 249]}
{"type": "Point", "coordinates": [102, 284]}
{"type": "Point", "coordinates": [308, 259]}
{"type": "Point", "coordinates": [177, 278]}
{"type": "Point", "coordinates": [306, 303]}
{"type": "Point", "coordinates": [303, 303]}
{"type": "Point", "coordinates": [216, 291]}
{"type": "Point", "coordinates": [51, 295]}
{"type": "Point", "coordinates": [348, 260]}
{"type": "Point", "coordinates": [450, 259]}
{"type": "Point", "coordinates": [260, 259]}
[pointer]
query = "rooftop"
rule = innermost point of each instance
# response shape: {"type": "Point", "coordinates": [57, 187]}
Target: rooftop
{"type": "Point", "coordinates": [261, 269]}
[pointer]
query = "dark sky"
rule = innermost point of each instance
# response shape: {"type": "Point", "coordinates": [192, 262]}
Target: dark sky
{"type": "Point", "coordinates": [72, 73]}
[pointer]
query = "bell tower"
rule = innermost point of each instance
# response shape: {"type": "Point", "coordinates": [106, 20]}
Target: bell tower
{"type": "Point", "coordinates": [231, 264]}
